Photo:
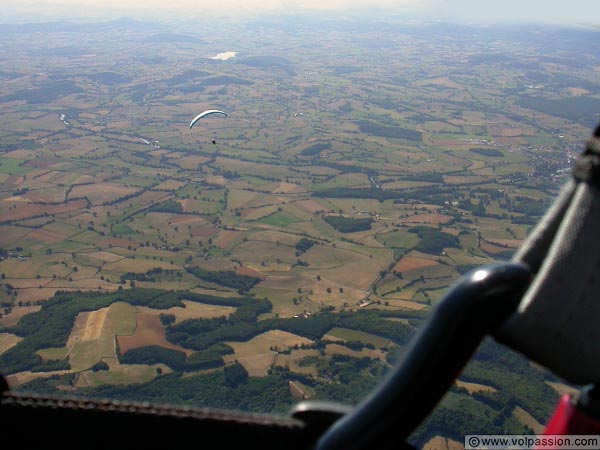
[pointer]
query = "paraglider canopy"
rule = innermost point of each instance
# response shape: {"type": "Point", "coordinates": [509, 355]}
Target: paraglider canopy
{"type": "Point", "coordinates": [204, 114]}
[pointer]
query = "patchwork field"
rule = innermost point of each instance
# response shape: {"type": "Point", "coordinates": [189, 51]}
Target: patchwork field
{"type": "Point", "coordinates": [258, 354]}
{"type": "Point", "coordinates": [299, 361]}
{"type": "Point", "coordinates": [362, 169]}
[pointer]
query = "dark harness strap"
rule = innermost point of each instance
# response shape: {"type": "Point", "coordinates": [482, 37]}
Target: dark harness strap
{"type": "Point", "coordinates": [71, 422]}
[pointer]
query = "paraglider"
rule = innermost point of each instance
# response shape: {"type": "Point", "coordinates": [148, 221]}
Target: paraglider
{"type": "Point", "coordinates": [204, 114]}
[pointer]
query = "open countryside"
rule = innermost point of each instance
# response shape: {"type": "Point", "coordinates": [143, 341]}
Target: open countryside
{"type": "Point", "coordinates": [293, 247]}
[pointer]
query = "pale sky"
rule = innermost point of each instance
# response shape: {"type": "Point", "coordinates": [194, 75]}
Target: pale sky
{"type": "Point", "coordinates": [568, 12]}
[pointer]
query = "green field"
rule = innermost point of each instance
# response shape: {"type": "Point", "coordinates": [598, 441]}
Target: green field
{"type": "Point", "coordinates": [353, 335]}
{"type": "Point", "coordinates": [12, 166]}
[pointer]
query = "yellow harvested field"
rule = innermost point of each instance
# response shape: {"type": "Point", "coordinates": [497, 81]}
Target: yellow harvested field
{"type": "Point", "coordinates": [250, 272]}
{"type": "Point", "coordinates": [463, 179]}
{"type": "Point", "coordinates": [406, 304]}
{"type": "Point", "coordinates": [92, 284]}
{"type": "Point", "coordinates": [442, 443]}
{"type": "Point", "coordinates": [102, 192]}
{"type": "Point", "coordinates": [8, 341]}
{"type": "Point", "coordinates": [358, 270]}
{"type": "Point", "coordinates": [192, 310]}
{"type": "Point", "coordinates": [121, 374]}
{"type": "Point", "coordinates": [49, 354]}
{"type": "Point", "coordinates": [405, 184]}
{"type": "Point", "coordinates": [474, 387]}
{"type": "Point", "coordinates": [283, 282]}
{"type": "Point", "coordinates": [562, 388]}
{"type": "Point", "coordinates": [288, 188]}
{"type": "Point", "coordinates": [10, 320]}
{"type": "Point", "coordinates": [78, 329]}
{"type": "Point", "coordinates": [527, 419]}
{"type": "Point", "coordinates": [257, 354]}
{"type": "Point", "coordinates": [87, 347]}
{"type": "Point", "coordinates": [512, 243]}
{"type": "Point", "coordinates": [436, 443]}
{"type": "Point", "coordinates": [106, 257]}
{"type": "Point", "coordinates": [17, 379]}
{"type": "Point", "coordinates": [93, 325]}
{"type": "Point", "coordinates": [319, 289]}
{"type": "Point", "coordinates": [263, 342]}
{"type": "Point", "coordinates": [455, 445]}
{"type": "Point", "coordinates": [335, 298]}
{"type": "Point", "coordinates": [26, 283]}
{"type": "Point", "coordinates": [257, 365]}
{"type": "Point", "coordinates": [189, 219]}
{"type": "Point", "coordinates": [35, 294]}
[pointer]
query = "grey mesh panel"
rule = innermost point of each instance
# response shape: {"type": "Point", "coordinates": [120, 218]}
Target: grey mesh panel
{"type": "Point", "coordinates": [533, 251]}
{"type": "Point", "coordinates": [556, 323]}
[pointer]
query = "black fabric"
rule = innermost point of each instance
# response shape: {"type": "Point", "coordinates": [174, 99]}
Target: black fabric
{"type": "Point", "coordinates": [555, 324]}
{"type": "Point", "coordinates": [75, 423]}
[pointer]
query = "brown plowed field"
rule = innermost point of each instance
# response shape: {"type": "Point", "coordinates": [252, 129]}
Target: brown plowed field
{"type": "Point", "coordinates": [149, 331]}
{"type": "Point", "coordinates": [26, 210]}
{"type": "Point", "coordinates": [409, 263]}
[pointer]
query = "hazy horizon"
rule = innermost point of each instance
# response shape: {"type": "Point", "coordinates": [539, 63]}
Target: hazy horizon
{"type": "Point", "coordinates": [586, 12]}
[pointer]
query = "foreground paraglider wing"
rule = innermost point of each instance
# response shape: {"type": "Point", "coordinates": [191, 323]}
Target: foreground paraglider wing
{"type": "Point", "coordinates": [204, 114]}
